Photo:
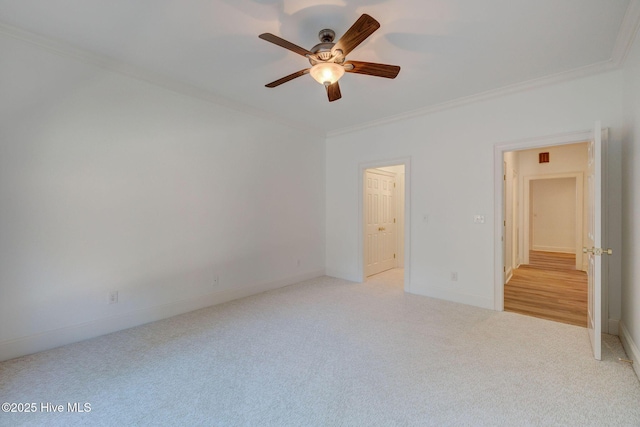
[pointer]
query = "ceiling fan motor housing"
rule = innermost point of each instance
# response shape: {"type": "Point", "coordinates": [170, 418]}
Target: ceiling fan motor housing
{"type": "Point", "coordinates": [326, 35]}
{"type": "Point", "coordinates": [323, 49]}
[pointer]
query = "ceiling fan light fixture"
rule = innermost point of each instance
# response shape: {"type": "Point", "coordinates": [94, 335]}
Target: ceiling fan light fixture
{"type": "Point", "coordinates": [326, 73]}
{"type": "Point", "coordinates": [328, 59]}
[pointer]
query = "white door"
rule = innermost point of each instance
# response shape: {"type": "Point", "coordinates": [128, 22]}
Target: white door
{"type": "Point", "coordinates": [380, 222]}
{"type": "Point", "coordinates": [594, 241]}
{"type": "Point", "coordinates": [507, 261]}
{"type": "Point", "coordinates": [515, 258]}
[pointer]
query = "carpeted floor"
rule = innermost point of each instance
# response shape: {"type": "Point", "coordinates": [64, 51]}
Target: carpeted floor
{"type": "Point", "coordinates": [328, 352]}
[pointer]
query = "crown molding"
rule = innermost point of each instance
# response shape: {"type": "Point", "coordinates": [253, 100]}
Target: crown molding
{"type": "Point", "coordinates": [573, 74]}
{"type": "Point", "coordinates": [624, 42]}
{"type": "Point", "coordinates": [139, 73]}
{"type": "Point", "coordinates": [627, 33]}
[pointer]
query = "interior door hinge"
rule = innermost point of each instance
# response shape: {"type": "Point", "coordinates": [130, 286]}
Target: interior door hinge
{"type": "Point", "coordinates": [505, 222]}
{"type": "Point", "coordinates": [394, 255]}
{"type": "Point", "coordinates": [394, 185]}
{"type": "Point", "coordinates": [394, 220]}
{"type": "Point", "coordinates": [504, 269]}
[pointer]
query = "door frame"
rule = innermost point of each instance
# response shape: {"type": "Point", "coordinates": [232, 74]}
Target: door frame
{"type": "Point", "coordinates": [507, 272]}
{"type": "Point", "coordinates": [362, 167]}
{"type": "Point", "coordinates": [546, 141]}
{"type": "Point", "coordinates": [579, 219]}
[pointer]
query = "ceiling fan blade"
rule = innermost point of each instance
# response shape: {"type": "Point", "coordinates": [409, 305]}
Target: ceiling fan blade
{"type": "Point", "coordinates": [363, 28]}
{"type": "Point", "coordinates": [285, 44]}
{"type": "Point", "coordinates": [372, 69]}
{"type": "Point", "coordinates": [333, 92]}
{"type": "Point", "coordinates": [288, 78]}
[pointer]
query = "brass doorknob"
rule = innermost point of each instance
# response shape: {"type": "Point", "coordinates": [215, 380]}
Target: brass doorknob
{"type": "Point", "coordinates": [597, 251]}
{"type": "Point", "coordinates": [381, 228]}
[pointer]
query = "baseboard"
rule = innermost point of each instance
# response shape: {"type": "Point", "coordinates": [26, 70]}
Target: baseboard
{"type": "Point", "coordinates": [509, 275]}
{"type": "Point", "coordinates": [554, 249]}
{"type": "Point", "coordinates": [11, 349]}
{"type": "Point", "coordinates": [459, 297]}
{"type": "Point", "coordinates": [630, 347]}
{"type": "Point", "coordinates": [614, 326]}
{"type": "Point", "coordinates": [352, 277]}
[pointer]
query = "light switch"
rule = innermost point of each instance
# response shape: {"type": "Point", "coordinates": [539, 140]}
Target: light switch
{"type": "Point", "coordinates": [478, 219]}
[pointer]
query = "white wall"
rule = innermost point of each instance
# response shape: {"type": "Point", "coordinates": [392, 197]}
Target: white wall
{"type": "Point", "coordinates": [109, 183]}
{"type": "Point", "coordinates": [630, 195]}
{"type": "Point", "coordinates": [553, 206]}
{"type": "Point", "coordinates": [452, 172]}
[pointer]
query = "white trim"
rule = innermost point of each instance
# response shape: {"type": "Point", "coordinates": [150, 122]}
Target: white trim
{"type": "Point", "coordinates": [555, 249]}
{"type": "Point", "coordinates": [362, 167]}
{"type": "Point", "coordinates": [630, 347]}
{"type": "Point", "coordinates": [352, 276]}
{"type": "Point", "coordinates": [589, 70]}
{"type": "Point", "coordinates": [624, 41]}
{"type": "Point", "coordinates": [604, 232]}
{"type": "Point", "coordinates": [499, 150]}
{"type": "Point", "coordinates": [139, 73]}
{"type": "Point", "coordinates": [66, 335]}
{"type": "Point", "coordinates": [459, 297]}
{"type": "Point", "coordinates": [627, 34]}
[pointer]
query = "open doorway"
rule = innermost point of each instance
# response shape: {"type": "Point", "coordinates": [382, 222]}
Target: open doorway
{"type": "Point", "coordinates": [543, 212]}
{"type": "Point", "coordinates": [596, 216]}
{"type": "Point", "coordinates": [384, 207]}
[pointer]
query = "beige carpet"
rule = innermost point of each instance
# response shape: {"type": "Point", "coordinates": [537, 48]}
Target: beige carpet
{"type": "Point", "coordinates": [328, 352]}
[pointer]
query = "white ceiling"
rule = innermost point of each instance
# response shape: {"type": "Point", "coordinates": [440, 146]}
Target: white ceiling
{"type": "Point", "coordinates": [449, 50]}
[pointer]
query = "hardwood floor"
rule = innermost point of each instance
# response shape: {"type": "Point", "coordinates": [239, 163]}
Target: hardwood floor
{"type": "Point", "coordinates": [550, 288]}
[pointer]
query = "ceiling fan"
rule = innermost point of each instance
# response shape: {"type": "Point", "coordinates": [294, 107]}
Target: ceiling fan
{"type": "Point", "coordinates": [328, 59]}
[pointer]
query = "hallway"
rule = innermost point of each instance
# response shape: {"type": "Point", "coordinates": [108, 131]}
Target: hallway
{"type": "Point", "coordinates": [549, 288]}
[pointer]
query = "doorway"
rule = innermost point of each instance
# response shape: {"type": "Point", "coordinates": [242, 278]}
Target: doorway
{"type": "Point", "coordinates": [553, 213]}
{"type": "Point", "coordinates": [595, 221]}
{"type": "Point", "coordinates": [384, 206]}
{"type": "Point", "coordinates": [546, 281]}
{"type": "Point", "coordinates": [381, 212]}
{"type": "Point", "coordinates": [501, 212]}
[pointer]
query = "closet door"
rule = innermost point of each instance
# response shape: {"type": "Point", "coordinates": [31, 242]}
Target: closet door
{"type": "Point", "coordinates": [380, 222]}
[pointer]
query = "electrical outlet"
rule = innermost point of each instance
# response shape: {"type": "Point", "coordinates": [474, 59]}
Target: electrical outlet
{"type": "Point", "coordinates": [454, 276]}
{"type": "Point", "coordinates": [216, 280]}
{"type": "Point", "coordinates": [113, 297]}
